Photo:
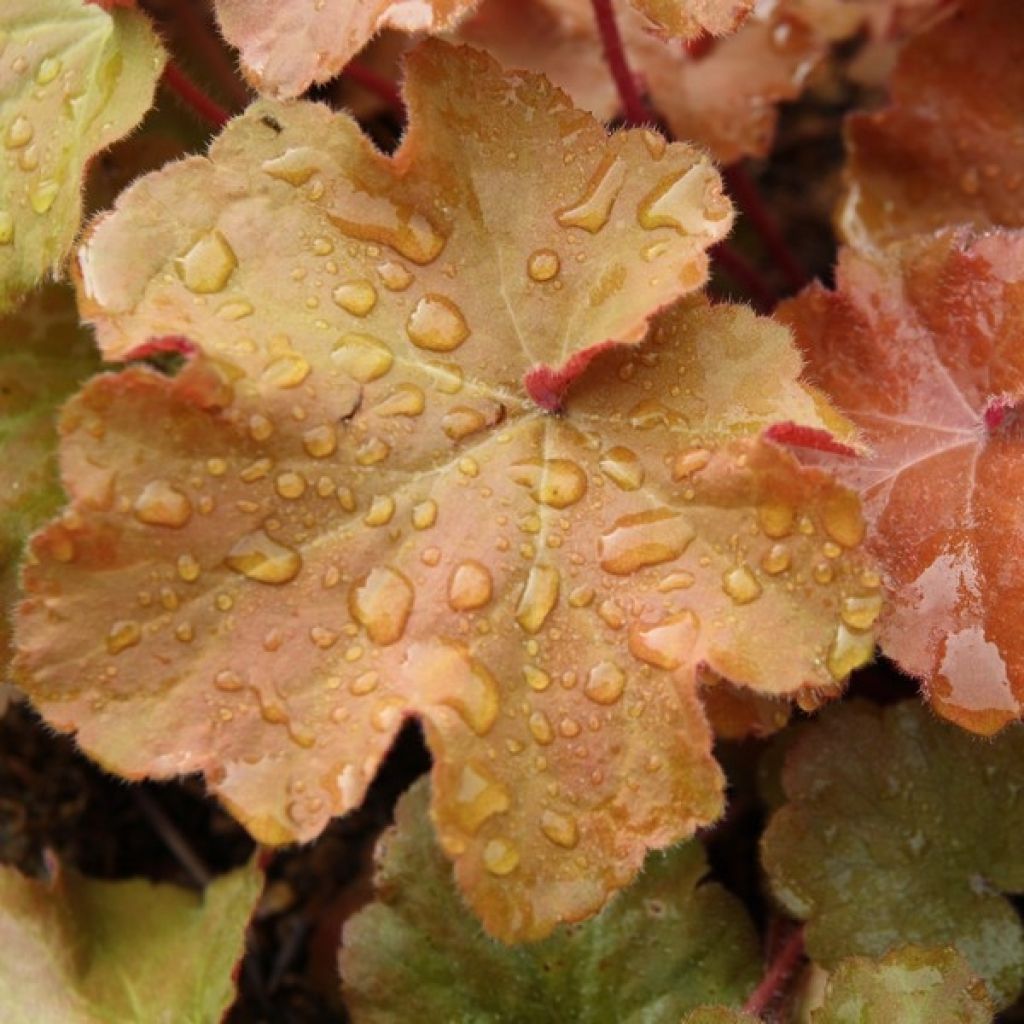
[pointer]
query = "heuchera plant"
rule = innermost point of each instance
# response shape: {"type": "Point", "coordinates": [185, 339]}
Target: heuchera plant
{"type": "Point", "coordinates": [436, 397]}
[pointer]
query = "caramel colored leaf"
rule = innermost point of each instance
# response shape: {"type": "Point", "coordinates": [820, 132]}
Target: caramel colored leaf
{"type": "Point", "coordinates": [353, 505]}
{"type": "Point", "coordinates": [73, 79]}
{"type": "Point", "coordinates": [921, 348]}
{"type": "Point", "coordinates": [725, 99]}
{"type": "Point", "coordinates": [901, 829]}
{"type": "Point", "coordinates": [949, 148]}
{"type": "Point", "coordinates": [44, 356]}
{"type": "Point", "coordinates": [688, 18]}
{"type": "Point", "coordinates": [910, 985]}
{"type": "Point", "coordinates": [78, 951]}
{"type": "Point", "coordinates": [666, 944]}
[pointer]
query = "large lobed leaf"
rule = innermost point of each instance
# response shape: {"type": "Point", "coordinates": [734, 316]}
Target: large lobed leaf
{"type": "Point", "coordinates": [348, 509]}
{"type": "Point", "coordinates": [288, 45]}
{"type": "Point", "coordinates": [73, 79]}
{"type": "Point", "coordinates": [667, 944]}
{"type": "Point", "coordinates": [80, 951]}
{"type": "Point", "coordinates": [920, 346]}
{"type": "Point", "coordinates": [902, 829]}
{"type": "Point", "coordinates": [948, 149]}
{"type": "Point", "coordinates": [44, 356]}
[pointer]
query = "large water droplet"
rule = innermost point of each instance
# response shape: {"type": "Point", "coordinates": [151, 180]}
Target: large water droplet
{"type": "Point", "coordinates": [320, 442]}
{"type": "Point", "coordinates": [691, 202]}
{"type": "Point", "coordinates": [405, 400]}
{"type": "Point", "coordinates": [363, 357]}
{"type": "Point", "coordinates": [470, 586]}
{"type": "Point", "coordinates": [285, 372]}
{"type": "Point", "coordinates": [605, 683]}
{"type": "Point", "coordinates": [741, 585]}
{"type": "Point", "coordinates": [557, 483]}
{"type": "Point", "coordinates": [462, 421]}
{"type": "Point", "coordinates": [849, 651]}
{"type": "Point", "coordinates": [437, 324]}
{"type": "Point", "coordinates": [539, 597]}
{"type": "Point", "coordinates": [381, 602]}
{"type": "Point", "coordinates": [462, 682]}
{"type": "Point", "coordinates": [478, 797]}
{"type": "Point", "coordinates": [206, 267]}
{"type": "Point", "coordinates": [258, 557]}
{"type": "Point", "coordinates": [666, 644]}
{"type": "Point", "coordinates": [160, 504]}
{"type": "Point", "coordinates": [355, 297]}
{"type": "Point", "coordinates": [642, 539]}
{"type": "Point", "coordinates": [843, 520]}
{"type": "Point", "coordinates": [543, 264]}
{"type": "Point", "coordinates": [593, 209]}
{"type": "Point", "coordinates": [861, 612]}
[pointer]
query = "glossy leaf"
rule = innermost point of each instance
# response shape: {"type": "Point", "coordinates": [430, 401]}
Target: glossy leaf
{"type": "Point", "coordinates": [920, 347]}
{"type": "Point", "coordinates": [910, 985]}
{"type": "Point", "coordinates": [79, 951]}
{"type": "Point", "coordinates": [354, 505]}
{"type": "Point", "coordinates": [668, 943]}
{"type": "Point", "coordinates": [901, 829]}
{"type": "Point", "coordinates": [44, 356]}
{"type": "Point", "coordinates": [949, 148]}
{"type": "Point", "coordinates": [73, 79]}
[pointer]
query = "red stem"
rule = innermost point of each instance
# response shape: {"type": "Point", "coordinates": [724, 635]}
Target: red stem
{"type": "Point", "coordinates": [188, 92]}
{"type": "Point", "coordinates": [778, 971]}
{"type": "Point", "coordinates": [634, 108]}
{"type": "Point", "coordinates": [762, 297]}
{"type": "Point", "coordinates": [380, 86]}
{"type": "Point", "coordinates": [749, 200]}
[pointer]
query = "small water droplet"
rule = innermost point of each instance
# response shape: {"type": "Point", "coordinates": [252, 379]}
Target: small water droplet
{"type": "Point", "coordinates": [469, 587]}
{"type": "Point", "coordinates": [363, 357]}
{"type": "Point", "coordinates": [365, 683]}
{"type": "Point", "coordinates": [623, 468]}
{"type": "Point", "coordinates": [372, 451]}
{"type": "Point", "coordinates": [207, 266]}
{"type": "Point", "coordinates": [536, 679]}
{"type": "Point", "coordinates": [394, 276]}
{"type": "Point", "coordinates": [405, 400]}
{"type": "Point", "coordinates": [539, 597]}
{"type": "Point", "coordinates": [776, 559]}
{"type": "Point", "coordinates": [386, 716]}
{"type": "Point", "coordinates": [424, 514]}
{"type": "Point", "coordinates": [290, 485]}
{"type": "Point", "coordinates": [49, 68]}
{"type": "Point", "coordinates": [557, 483]}
{"type": "Point", "coordinates": [861, 612]}
{"type": "Point", "coordinates": [642, 539]}
{"type": "Point", "coordinates": [462, 421]}
{"type": "Point", "coordinates": [122, 635]}
{"type": "Point", "coordinates": [561, 829]}
{"type": "Point", "coordinates": [741, 585]}
{"type": "Point", "coordinates": [355, 297]}
{"type": "Point", "coordinates": [188, 568]}
{"type": "Point", "coordinates": [478, 797]}
{"type": "Point", "coordinates": [160, 504]}
{"type": "Point", "coordinates": [540, 728]}
{"type": "Point", "coordinates": [666, 644]}
{"type": "Point", "coordinates": [42, 194]}
{"type": "Point", "coordinates": [543, 264]}
{"type": "Point", "coordinates": [381, 602]}
{"type": "Point", "coordinates": [605, 683]}
{"type": "Point", "coordinates": [500, 857]}
{"type": "Point", "coordinates": [594, 208]}
{"type": "Point", "coordinates": [294, 166]}
{"type": "Point", "coordinates": [19, 132]}
{"type": "Point", "coordinates": [285, 372]}
{"type": "Point", "coordinates": [437, 324]}
{"type": "Point", "coordinates": [258, 557]}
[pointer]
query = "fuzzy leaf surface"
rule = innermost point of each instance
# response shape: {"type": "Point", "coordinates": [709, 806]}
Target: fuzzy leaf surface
{"type": "Point", "coordinates": [902, 829]}
{"type": "Point", "coordinates": [73, 79]}
{"type": "Point", "coordinates": [948, 149]}
{"type": "Point", "coordinates": [44, 356]}
{"type": "Point", "coordinates": [911, 985]}
{"type": "Point", "coordinates": [920, 348]}
{"type": "Point", "coordinates": [330, 521]}
{"type": "Point", "coordinates": [79, 951]}
{"type": "Point", "coordinates": [665, 945]}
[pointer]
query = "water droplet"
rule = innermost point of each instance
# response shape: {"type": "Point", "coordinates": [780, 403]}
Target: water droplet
{"type": "Point", "coordinates": [741, 585]}
{"type": "Point", "coordinates": [437, 324]}
{"type": "Point", "coordinates": [404, 229]}
{"type": "Point", "coordinates": [285, 372]}
{"type": "Point", "coordinates": [355, 297]}
{"type": "Point", "coordinates": [6, 228]}
{"type": "Point", "coordinates": [593, 209]}
{"type": "Point", "coordinates": [381, 602]}
{"type": "Point", "coordinates": [536, 679]}
{"type": "Point", "coordinates": [861, 612]}
{"type": "Point", "coordinates": [19, 132]}
{"type": "Point", "coordinates": [776, 559]}
{"type": "Point", "coordinates": [364, 684]}
{"type": "Point", "coordinates": [49, 68]}
{"type": "Point", "coordinates": [405, 400]}
{"type": "Point", "coordinates": [387, 715]}
{"type": "Point", "coordinates": [372, 451]}
{"type": "Point", "coordinates": [650, 413]}
{"type": "Point", "coordinates": [540, 728]}
{"type": "Point", "coordinates": [206, 267]}
{"type": "Point", "coordinates": [776, 520]}
{"type": "Point", "coordinates": [500, 857]}
{"type": "Point", "coordinates": [557, 483]}
{"type": "Point", "coordinates": [477, 797]}
{"type": "Point", "coordinates": [470, 586]}
{"type": "Point", "coordinates": [160, 504]}
{"type": "Point", "coordinates": [539, 597]}
{"type": "Point", "coordinates": [849, 651]}
{"type": "Point", "coordinates": [462, 421]}
{"type": "Point", "coordinates": [258, 557]}
{"type": "Point", "coordinates": [188, 568]}
{"type": "Point", "coordinates": [260, 428]}
{"type": "Point", "coordinates": [676, 581]}
{"type": "Point", "coordinates": [543, 264]}
{"type": "Point", "coordinates": [363, 357]}
{"type": "Point", "coordinates": [42, 195]}
{"type": "Point", "coordinates": [294, 166]}
{"type": "Point", "coordinates": [643, 539]}
{"type": "Point", "coordinates": [290, 485]}
{"type": "Point", "coordinates": [424, 514]}
{"type": "Point", "coordinates": [394, 276]}
{"type": "Point", "coordinates": [666, 644]}
{"type": "Point", "coordinates": [692, 202]}
{"type": "Point", "coordinates": [822, 573]}
{"type": "Point", "coordinates": [235, 309]}
{"type": "Point", "coordinates": [381, 510]}
{"type": "Point", "coordinates": [123, 635]}
{"type": "Point", "coordinates": [623, 468]}
{"type": "Point", "coordinates": [605, 683]}
{"type": "Point", "coordinates": [321, 441]}
{"type": "Point", "coordinates": [322, 637]}
{"type": "Point", "coordinates": [561, 829]}
{"type": "Point", "coordinates": [843, 520]}
{"type": "Point", "coordinates": [689, 462]}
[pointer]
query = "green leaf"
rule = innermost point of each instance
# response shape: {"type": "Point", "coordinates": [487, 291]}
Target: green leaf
{"type": "Point", "coordinates": [719, 1015]}
{"type": "Point", "coordinates": [78, 951]}
{"type": "Point", "coordinates": [45, 354]}
{"type": "Point", "coordinates": [903, 829]}
{"type": "Point", "coordinates": [910, 985]}
{"type": "Point", "coordinates": [73, 79]}
{"type": "Point", "coordinates": [662, 947]}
